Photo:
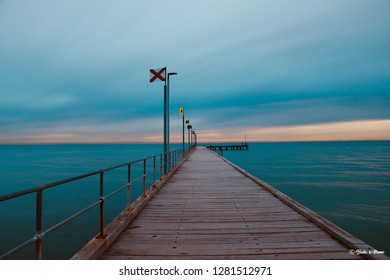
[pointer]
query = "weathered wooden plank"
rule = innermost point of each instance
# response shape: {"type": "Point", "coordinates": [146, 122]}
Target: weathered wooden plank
{"type": "Point", "coordinates": [284, 256]}
{"type": "Point", "coordinates": [220, 231]}
{"type": "Point", "coordinates": [176, 249]}
{"type": "Point", "coordinates": [265, 237]}
{"type": "Point", "coordinates": [265, 227]}
{"type": "Point", "coordinates": [233, 243]}
{"type": "Point", "coordinates": [196, 220]}
{"type": "Point", "coordinates": [238, 242]}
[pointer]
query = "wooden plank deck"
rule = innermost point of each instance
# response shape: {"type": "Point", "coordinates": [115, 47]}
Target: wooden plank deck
{"type": "Point", "coordinates": [210, 210]}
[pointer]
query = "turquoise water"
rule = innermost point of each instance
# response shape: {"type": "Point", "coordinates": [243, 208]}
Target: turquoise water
{"type": "Point", "coordinates": [346, 182]}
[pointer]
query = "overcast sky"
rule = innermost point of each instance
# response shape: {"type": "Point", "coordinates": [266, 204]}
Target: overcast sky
{"type": "Point", "coordinates": [78, 71]}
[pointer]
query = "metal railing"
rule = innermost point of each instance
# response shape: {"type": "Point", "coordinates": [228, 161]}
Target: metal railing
{"type": "Point", "coordinates": [160, 162]}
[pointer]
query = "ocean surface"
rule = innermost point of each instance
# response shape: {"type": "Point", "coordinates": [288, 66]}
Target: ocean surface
{"type": "Point", "coordinates": [346, 182]}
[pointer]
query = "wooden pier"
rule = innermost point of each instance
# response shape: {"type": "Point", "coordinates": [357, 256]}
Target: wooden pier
{"type": "Point", "coordinates": [212, 209]}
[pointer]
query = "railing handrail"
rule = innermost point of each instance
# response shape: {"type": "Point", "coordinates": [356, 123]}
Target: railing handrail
{"type": "Point", "coordinates": [72, 179]}
{"type": "Point", "coordinates": [46, 186]}
{"type": "Point", "coordinates": [39, 233]}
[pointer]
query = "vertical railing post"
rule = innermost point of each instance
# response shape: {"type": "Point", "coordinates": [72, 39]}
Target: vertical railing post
{"type": "Point", "coordinates": [144, 183]}
{"type": "Point", "coordinates": [160, 166]}
{"type": "Point", "coordinates": [169, 161]}
{"type": "Point", "coordinates": [154, 169]}
{"type": "Point", "coordinates": [101, 235]}
{"type": "Point", "coordinates": [128, 184]}
{"type": "Point", "coordinates": [164, 162]}
{"type": "Point", "coordinates": [38, 225]}
{"type": "Point", "coordinates": [173, 160]}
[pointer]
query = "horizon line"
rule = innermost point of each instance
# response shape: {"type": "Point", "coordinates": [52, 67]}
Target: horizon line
{"type": "Point", "coordinates": [186, 143]}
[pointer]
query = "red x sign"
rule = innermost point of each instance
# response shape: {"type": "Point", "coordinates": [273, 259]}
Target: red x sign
{"type": "Point", "coordinates": [157, 75]}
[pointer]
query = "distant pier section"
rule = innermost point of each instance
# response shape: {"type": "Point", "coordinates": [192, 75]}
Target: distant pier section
{"type": "Point", "coordinates": [229, 147]}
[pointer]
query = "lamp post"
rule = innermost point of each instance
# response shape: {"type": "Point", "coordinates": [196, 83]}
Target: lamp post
{"type": "Point", "coordinates": [188, 124]}
{"type": "Point", "coordinates": [196, 138]}
{"type": "Point", "coordinates": [167, 124]}
{"type": "Point", "coordinates": [182, 114]}
{"type": "Point", "coordinates": [189, 127]}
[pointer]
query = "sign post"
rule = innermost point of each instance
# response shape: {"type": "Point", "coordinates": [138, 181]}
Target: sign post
{"type": "Point", "coordinates": [160, 75]}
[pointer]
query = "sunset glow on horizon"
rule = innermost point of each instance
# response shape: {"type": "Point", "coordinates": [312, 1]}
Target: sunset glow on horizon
{"type": "Point", "coordinates": [343, 131]}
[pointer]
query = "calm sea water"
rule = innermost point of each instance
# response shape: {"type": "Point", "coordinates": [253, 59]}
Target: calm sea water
{"type": "Point", "coordinates": [346, 182]}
